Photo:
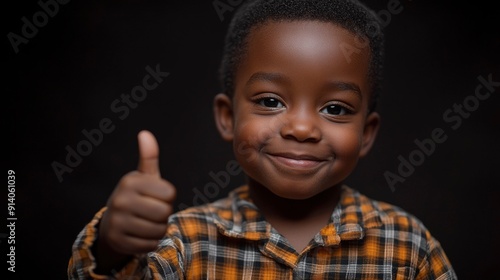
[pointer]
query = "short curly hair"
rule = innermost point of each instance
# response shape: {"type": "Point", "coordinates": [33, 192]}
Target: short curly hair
{"type": "Point", "coordinates": [349, 14]}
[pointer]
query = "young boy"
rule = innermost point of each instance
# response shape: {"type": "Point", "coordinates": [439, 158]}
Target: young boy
{"type": "Point", "coordinates": [300, 80]}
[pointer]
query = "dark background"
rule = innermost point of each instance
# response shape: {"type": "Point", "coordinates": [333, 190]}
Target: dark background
{"type": "Point", "coordinates": [65, 78]}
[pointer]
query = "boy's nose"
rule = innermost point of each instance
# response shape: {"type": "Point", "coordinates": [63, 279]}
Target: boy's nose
{"type": "Point", "coordinates": [301, 127]}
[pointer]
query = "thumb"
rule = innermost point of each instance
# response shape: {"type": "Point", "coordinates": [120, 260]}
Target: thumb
{"type": "Point", "coordinates": [148, 153]}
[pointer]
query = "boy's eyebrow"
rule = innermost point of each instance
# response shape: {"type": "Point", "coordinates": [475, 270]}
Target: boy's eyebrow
{"type": "Point", "coordinates": [277, 77]}
{"type": "Point", "coordinates": [266, 76]}
{"type": "Point", "coordinates": [346, 86]}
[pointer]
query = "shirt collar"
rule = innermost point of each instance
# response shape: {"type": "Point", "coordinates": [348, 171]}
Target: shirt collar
{"type": "Point", "coordinates": [238, 217]}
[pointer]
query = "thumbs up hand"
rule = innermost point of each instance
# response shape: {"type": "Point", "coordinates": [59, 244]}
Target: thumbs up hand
{"type": "Point", "coordinates": [137, 210]}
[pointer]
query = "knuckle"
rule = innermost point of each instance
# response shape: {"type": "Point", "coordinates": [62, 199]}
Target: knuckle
{"type": "Point", "coordinates": [129, 181]}
{"type": "Point", "coordinates": [114, 241]}
{"type": "Point", "coordinates": [169, 210]}
{"type": "Point", "coordinates": [171, 191]}
{"type": "Point", "coordinates": [120, 203]}
{"type": "Point", "coordinates": [115, 224]}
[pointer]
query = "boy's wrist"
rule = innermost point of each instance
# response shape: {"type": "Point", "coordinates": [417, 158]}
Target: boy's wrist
{"type": "Point", "coordinates": [107, 260]}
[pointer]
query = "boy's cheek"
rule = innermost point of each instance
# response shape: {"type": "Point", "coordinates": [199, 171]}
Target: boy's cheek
{"type": "Point", "coordinates": [256, 127]}
{"type": "Point", "coordinates": [344, 142]}
{"type": "Point", "coordinates": [243, 152]}
{"type": "Point", "coordinates": [250, 137]}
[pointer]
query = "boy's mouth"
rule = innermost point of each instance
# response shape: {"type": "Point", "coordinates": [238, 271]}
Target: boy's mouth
{"type": "Point", "coordinates": [296, 160]}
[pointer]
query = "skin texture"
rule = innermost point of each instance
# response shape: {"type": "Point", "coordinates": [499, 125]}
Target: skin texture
{"type": "Point", "coordinates": [299, 121]}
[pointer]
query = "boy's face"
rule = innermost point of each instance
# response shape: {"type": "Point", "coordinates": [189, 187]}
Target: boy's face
{"type": "Point", "coordinates": [299, 117]}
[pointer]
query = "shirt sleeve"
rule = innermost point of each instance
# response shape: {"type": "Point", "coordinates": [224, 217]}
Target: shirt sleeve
{"type": "Point", "coordinates": [161, 264]}
{"type": "Point", "coordinates": [436, 265]}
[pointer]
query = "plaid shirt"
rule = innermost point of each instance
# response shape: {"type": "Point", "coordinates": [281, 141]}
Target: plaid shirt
{"type": "Point", "coordinates": [229, 239]}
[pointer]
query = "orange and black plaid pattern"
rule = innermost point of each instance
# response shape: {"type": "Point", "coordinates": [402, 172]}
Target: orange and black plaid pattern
{"type": "Point", "coordinates": [229, 239]}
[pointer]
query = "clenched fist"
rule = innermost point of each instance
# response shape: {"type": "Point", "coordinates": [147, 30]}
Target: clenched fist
{"type": "Point", "coordinates": [137, 210]}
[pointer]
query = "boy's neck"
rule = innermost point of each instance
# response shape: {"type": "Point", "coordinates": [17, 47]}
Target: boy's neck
{"type": "Point", "coordinates": [275, 207]}
{"type": "Point", "coordinates": [297, 220]}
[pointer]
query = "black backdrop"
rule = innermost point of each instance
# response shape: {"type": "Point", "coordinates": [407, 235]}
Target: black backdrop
{"type": "Point", "coordinates": [65, 78]}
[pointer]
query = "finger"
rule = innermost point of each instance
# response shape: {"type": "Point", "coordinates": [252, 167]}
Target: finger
{"type": "Point", "coordinates": [152, 210]}
{"type": "Point", "coordinates": [146, 186]}
{"type": "Point", "coordinates": [148, 153]}
{"type": "Point", "coordinates": [144, 229]}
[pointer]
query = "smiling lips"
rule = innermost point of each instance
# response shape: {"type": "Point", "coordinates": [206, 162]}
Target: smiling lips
{"type": "Point", "coordinates": [296, 161]}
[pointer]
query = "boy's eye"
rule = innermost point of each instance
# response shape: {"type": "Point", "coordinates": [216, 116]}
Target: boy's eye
{"type": "Point", "coordinates": [270, 102]}
{"type": "Point", "coordinates": [335, 109]}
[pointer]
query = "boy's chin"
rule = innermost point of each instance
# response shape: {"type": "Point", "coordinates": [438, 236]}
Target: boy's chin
{"type": "Point", "coordinates": [297, 190]}
{"type": "Point", "coordinates": [298, 194]}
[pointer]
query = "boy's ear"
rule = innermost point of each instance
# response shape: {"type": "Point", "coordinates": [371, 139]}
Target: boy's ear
{"type": "Point", "coordinates": [223, 113]}
{"type": "Point", "coordinates": [372, 125]}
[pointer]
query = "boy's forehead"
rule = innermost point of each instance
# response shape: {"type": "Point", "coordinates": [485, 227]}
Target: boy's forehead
{"type": "Point", "coordinates": [309, 35]}
{"type": "Point", "coordinates": [294, 47]}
